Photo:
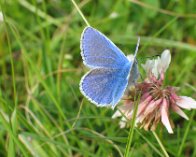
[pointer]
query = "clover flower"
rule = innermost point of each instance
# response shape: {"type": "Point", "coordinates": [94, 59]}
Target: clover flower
{"type": "Point", "coordinates": [156, 100]}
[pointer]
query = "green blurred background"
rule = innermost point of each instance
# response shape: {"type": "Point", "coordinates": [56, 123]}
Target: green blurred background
{"type": "Point", "coordinates": [42, 112]}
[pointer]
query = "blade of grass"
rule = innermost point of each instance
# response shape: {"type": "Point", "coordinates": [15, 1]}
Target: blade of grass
{"type": "Point", "coordinates": [185, 134]}
{"type": "Point", "coordinates": [17, 36]}
{"type": "Point", "coordinates": [29, 146]}
{"type": "Point", "coordinates": [163, 11]}
{"type": "Point", "coordinates": [150, 143]}
{"type": "Point", "coordinates": [41, 80]}
{"type": "Point", "coordinates": [10, 53]}
{"type": "Point", "coordinates": [155, 41]}
{"type": "Point", "coordinates": [13, 122]}
{"type": "Point", "coordinates": [39, 12]}
{"type": "Point", "coordinates": [131, 131]}
{"type": "Point", "coordinates": [45, 140]}
{"type": "Point", "coordinates": [78, 115]}
{"type": "Point", "coordinates": [159, 32]}
{"type": "Point", "coordinates": [105, 139]}
{"type": "Point", "coordinates": [80, 12]}
{"type": "Point", "coordinates": [160, 144]}
{"type": "Point", "coordinates": [54, 123]}
{"type": "Point", "coordinates": [46, 48]}
{"type": "Point", "coordinates": [6, 124]}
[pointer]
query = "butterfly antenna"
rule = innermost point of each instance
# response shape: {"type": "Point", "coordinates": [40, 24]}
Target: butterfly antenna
{"type": "Point", "coordinates": [136, 50]}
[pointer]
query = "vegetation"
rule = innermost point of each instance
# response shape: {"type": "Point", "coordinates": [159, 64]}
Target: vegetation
{"type": "Point", "coordinates": [42, 112]}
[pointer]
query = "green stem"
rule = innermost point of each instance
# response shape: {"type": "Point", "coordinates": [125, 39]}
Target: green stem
{"type": "Point", "coordinates": [160, 144]}
{"type": "Point", "coordinates": [131, 131]}
{"type": "Point", "coordinates": [12, 122]}
{"type": "Point", "coordinates": [80, 12]}
{"type": "Point", "coordinates": [186, 134]}
{"type": "Point", "coordinates": [10, 53]}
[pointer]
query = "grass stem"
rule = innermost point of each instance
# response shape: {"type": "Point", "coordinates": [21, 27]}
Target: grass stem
{"type": "Point", "coordinates": [160, 144]}
{"type": "Point", "coordinates": [186, 134]}
{"type": "Point", "coordinates": [131, 131]}
{"type": "Point", "coordinates": [80, 12]}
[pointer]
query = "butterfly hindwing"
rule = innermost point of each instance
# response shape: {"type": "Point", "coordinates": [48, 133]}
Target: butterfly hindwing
{"type": "Point", "coordinates": [105, 87]}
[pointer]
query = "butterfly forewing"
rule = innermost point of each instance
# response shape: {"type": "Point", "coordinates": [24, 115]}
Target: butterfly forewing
{"type": "Point", "coordinates": [99, 52]}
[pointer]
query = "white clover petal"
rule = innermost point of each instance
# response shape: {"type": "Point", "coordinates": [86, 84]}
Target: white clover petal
{"type": "Point", "coordinates": [159, 65]}
{"type": "Point", "coordinates": [122, 122]}
{"type": "Point", "coordinates": [155, 67]}
{"type": "Point", "coordinates": [116, 114]}
{"type": "Point", "coordinates": [151, 67]}
{"type": "Point", "coordinates": [186, 102]}
{"type": "Point", "coordinates": [179, 111]}
{"type": "Point", "coordinates": [123, 110]}
{"type": "Point", "coordinates": [164, 116]}
{"type": "Point", "coordinates": [164, 61]}
{"type": "Point", "coordinates": [148, 66]}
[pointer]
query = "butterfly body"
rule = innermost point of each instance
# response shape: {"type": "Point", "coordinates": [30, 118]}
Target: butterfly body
{"type": "Point", "coordinates": [110, 69]}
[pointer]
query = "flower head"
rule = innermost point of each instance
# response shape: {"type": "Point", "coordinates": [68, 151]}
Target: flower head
{"type": "Point", "coordinates": [156, 100]}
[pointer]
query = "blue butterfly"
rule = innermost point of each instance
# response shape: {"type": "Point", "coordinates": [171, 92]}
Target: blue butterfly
{"type": "Point", "coordinates": [111, 71]}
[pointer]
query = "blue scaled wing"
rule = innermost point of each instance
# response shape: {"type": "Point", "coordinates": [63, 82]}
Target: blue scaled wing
{"type": "Point", "coordinates": [105, 87]}
{"type": "Point", "coordinates": [99, 52]}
